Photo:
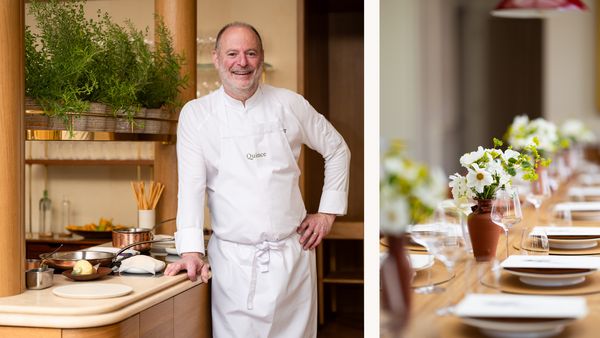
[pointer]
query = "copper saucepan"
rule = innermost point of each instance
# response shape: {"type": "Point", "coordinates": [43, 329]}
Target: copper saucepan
{"type": "Point", "coordinates": [66, 260]}
{"type": "Point", "coordinates": [124, 237]}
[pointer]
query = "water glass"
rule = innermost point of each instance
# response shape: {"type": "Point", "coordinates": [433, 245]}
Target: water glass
{"type": "Point", "coordinates": [534, 242]}
{"type": "Point", "coordinates": [561, 217]}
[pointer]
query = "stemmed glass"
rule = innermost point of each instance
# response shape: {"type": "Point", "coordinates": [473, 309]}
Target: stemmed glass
{"type": "Point", "coordinates": [506, 211]}
{"type": "Point", "coordinates": [540, 190]}
{"type": "Point", "coordinates": [429, 236]}
{"type": "Point", "coordinates": [450, 250]}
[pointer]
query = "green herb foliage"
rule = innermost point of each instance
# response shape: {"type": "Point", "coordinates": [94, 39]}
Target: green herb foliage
{"type": "Point", "coordinates": [164, 74]}
{"type": "Point", "coordinates": [73, 61]}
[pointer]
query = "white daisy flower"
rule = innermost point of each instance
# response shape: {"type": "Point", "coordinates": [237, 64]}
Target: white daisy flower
{"type": "Point", "coordinates": [509, 153]}
{"type": "Point", "coordinates": [469, 158]}
{"type": "Point", "coordinates": [478, 178]}
{"type": "Point", "coordinates": [395, 215]}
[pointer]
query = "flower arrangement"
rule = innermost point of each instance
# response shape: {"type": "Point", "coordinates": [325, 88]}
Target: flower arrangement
{"type": "Point", "coordinates": [491, 169]}
{"type": "Point", "coordinates": [576, 132]}
{"type": "Point", "coordinates": [409, 191]}
{"type": "Point", "coordinates": [524, 132]}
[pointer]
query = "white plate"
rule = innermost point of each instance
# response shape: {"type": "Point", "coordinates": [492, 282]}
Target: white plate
{"type": "Point", "coordinates": [92, 290]}
{"type": "Point", "coordinates": [171, 251]}
{"type": "Point", "coordinates": [573, 243]}
{"type": "Point", "coordinates": [550, 280]}
{"type": "Point", "coordinates": [421, 262]}
{"type": "Point", "coordinates": [516, 329]}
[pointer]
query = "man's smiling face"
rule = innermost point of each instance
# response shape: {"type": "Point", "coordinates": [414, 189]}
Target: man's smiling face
{"type": "Point", "coordinates": [238, 59]}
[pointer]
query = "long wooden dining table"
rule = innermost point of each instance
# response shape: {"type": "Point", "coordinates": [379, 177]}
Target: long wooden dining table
{"type": "Point", "coordinates": [423, 320]}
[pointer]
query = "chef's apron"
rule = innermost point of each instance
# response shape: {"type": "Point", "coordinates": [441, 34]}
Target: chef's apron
{"type": "Point", "coordinates": [264, 283]}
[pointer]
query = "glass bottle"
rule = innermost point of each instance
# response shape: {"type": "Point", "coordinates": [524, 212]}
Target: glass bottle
{"type": "Point", "coordinates": [45, 214]}
{"type": "Point", "coordinates": [65, 216]}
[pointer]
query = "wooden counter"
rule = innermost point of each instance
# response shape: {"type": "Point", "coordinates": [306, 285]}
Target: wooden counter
{"type": "Point", "coordinates": [158, 307]}
{"type": "Point", "coordinates": [424, 322]}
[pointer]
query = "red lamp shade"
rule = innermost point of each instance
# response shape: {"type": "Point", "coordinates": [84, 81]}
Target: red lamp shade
{"type": "Point", "coordinates": [535, 8]}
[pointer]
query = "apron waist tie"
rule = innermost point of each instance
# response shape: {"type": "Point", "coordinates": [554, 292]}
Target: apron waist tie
{"type": "Point", "coordinates": [262, 257]}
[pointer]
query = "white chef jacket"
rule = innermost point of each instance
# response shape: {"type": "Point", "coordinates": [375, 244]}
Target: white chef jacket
{"type": "Point", "coordinates": [199, 131]}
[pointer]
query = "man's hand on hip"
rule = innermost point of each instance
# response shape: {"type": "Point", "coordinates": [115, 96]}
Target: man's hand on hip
{"type": "Point", "coordinates": [314, 228]}
{"type": "Point", "coordinates": [195, 265]}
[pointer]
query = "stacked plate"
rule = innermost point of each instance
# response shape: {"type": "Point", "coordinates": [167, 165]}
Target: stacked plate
{"type": "Point", "coordinates": [581, 210]}
{"type": "Point", "coordinates": [589, 179]}
{"type": "Point", "coordinates": [571, 238]}
{"type": "Point", "coordinates": [551, 271]}
{"type": "Point", "coordinates": [516, 316]}
{"type": "Point", "coordinates": [584, 193]}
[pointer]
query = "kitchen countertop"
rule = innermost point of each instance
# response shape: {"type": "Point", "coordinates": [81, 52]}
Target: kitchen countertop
{"type": "Point", "coordinates": [41, 308]}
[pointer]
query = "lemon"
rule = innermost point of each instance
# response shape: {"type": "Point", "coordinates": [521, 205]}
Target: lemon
{"type": "Point", "coordinates": [83, 267]}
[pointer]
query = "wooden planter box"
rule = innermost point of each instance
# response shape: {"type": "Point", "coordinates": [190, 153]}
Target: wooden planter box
{"type": "Point", "coordinates": [148, 124]}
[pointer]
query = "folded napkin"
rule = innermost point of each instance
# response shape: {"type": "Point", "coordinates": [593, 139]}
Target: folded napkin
{"type": "Point", "coordinates": [573, 232]}
{"type": "Point", "coordinates": [589, 179]}
{"type": "Point", "coordinates": [141, 264]}
{"type": "Point", "coordinates": [584, 191]}
{"type": "Point", "coordinates": [551, 262]}
{"type": "Point", "coordinates": [578, 206]}
{"type": "Point", "coordinates": [452, 229]}
{"type": "Point", "coordinates": [521, 306]}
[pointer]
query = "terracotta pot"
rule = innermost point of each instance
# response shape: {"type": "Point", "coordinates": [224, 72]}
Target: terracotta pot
{"type": "Point", "coordinates": [396, 277]}
{"type": "Point", "coordinates": [483, 232]}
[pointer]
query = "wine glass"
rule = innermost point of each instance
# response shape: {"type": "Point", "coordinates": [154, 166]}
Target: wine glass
{"type": "Point", "coordinates": [506, 211]}
{"type": "Point", "coordinates": [534, 242]}
{"type": "Point", "coordinates": [539, 191]}
{"type": "Point", "coordinates": [450, 250]}
{"type": "Point", "coordinates": [429, 236]}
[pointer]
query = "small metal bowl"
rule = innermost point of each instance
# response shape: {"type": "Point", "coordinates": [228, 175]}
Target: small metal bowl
{"type": "Point", "coordinates": [40, 278]}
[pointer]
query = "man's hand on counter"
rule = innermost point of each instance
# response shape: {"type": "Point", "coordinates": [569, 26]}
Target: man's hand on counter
{"type": "Point", "coordinates": [194, 263]}
{"type": "Point", "coordinates": [314, 228]}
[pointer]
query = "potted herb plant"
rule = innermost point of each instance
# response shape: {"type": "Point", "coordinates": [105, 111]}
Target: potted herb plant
{"type": "Point", "coordinates": [75, 65]}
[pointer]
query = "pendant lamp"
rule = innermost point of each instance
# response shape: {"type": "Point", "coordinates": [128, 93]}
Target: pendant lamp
{"type": "Point", "coordinates": [527, 9]}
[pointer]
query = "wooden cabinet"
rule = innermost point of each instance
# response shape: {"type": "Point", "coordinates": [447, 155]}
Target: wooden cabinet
{"type": "Point", "coordinates": [186, 315]}
{"type": "Point", "coordinates": [340, 270]}
{"type": "Point", "coordinates": [331, 79]}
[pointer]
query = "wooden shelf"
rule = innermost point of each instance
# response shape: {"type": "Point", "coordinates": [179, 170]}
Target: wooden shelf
{"type": "Point", "coordinates": [347, 230]}
{"type": "Point", "coordinates": [91, 162]}
{"type": "Point", "coordinates": [344, 277]}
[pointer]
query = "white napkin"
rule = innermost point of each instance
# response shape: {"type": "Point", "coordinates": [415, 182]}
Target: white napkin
{"type": "Point", "coordinates": [420, 261]}
{"type": "Point", "coordinates": [578, 206]}
{"type": "Point", "coordinates": [519, 306]}
{"type": "Point", "coordinates": [551, 262]}
{"type": "Point", "coordinates": [569, 231]}
{"type": "Point", "coordinates": [584, 191]}
{"type": "Point", "coordinates": [452, 229]}
{"type": "Point", "coordinates": [141, 264]}
{"type": "Point", "coordinates": [589, 179]}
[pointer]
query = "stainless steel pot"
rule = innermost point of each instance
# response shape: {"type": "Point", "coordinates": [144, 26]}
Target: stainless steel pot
{"type": "Point", "coordinates": [66, 260]}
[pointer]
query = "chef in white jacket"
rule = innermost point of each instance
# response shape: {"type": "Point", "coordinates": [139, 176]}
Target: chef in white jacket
{"type": "Point", "coordinates": [239, 146]}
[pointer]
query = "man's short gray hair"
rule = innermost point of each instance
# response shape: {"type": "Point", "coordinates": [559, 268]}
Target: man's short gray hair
{"type": "Point", "coordinates": [238, 24]}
